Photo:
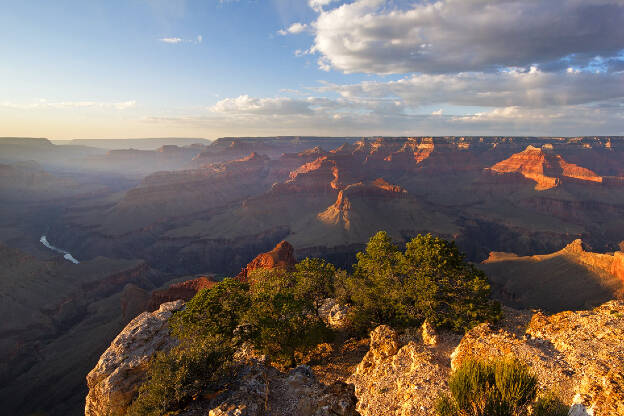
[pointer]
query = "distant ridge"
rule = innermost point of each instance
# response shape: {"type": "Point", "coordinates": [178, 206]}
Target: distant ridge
{"type": "Point", "coordinates": [139, 144]}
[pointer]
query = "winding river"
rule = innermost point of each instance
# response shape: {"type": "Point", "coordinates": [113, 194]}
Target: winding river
{"type": "Point", "coordinates": [65, 254]}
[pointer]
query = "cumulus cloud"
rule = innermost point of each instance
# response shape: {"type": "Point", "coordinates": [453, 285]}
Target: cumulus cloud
{"type": "Point", "coordinates": [319, 4]}
{"type": "Point", "coordinates": [342, 117]}
{"type": "Point", "coordinates": [246, 105]}
{"type": "Point", "coordinates": [377, 36]}
{"type": "Point", "coordinates": [532, 88]}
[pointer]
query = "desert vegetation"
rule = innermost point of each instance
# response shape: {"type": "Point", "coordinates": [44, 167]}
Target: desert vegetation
{"type": "Point", "coordinates": [502, 387]}
{"type": "Point", "coordinates": [430, 280]}
{"type": "Point", "coordinates": [278, 312]}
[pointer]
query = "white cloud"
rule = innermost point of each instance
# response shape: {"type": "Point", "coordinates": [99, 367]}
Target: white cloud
{"type": "Point", "coordinates": [319, 4]}
{"type": "Point", "coordinates": [269, 116]}
{"type": "Point", "coordinates": [246, 105]}
{"type": "Point", "coordinates": [294, 29]}
{"type": "Point", "coordinates": [171, 40]}
{"type": "Point", "coordinates": [176, 40]}
{"type": "Point", "coordinates": [532, 88]}
{"type": "Point", "coordinates": [377, 36]}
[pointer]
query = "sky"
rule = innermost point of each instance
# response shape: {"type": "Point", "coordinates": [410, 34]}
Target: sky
{"type": "Point", "coordinates": [214, 68]}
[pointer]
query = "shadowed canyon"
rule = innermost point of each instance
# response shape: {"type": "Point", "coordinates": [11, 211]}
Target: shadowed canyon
{"type": "Point", "coordinates": [543, 217]}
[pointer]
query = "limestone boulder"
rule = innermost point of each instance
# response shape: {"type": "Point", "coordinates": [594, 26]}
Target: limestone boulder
{"type": "Point", "coordinates": [116, 378]}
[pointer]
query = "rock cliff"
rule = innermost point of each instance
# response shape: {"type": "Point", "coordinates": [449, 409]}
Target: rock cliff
{"type": "Point", "coordinates": [283, 255]}
{"type": "Point", "coordinates": [578, 355]}
{"type": "Point", "coordinates": [179, 291]}
{"type": "Point", "coordinates": [254, 389]}
{"type": "Point", "coordinates": [545, 168]}
{"type": "Point", "coordinates": [571, 278]}
{"type": "Point", "coordinates": [260, 390]}
{"type": "Point", "coordinates": [115, 380]}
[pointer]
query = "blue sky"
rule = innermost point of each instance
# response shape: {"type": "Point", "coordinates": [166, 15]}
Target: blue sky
{"type": "Point", "coordinates": [210, 68]}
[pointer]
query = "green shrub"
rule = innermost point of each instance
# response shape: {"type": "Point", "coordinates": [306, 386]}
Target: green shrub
{"type": "Point", "coordinates": [549, 404]}
{"type": "Point", "coordinates": [314, 279]}
{"type": "Point", "coordinates": [175, 377]}
{"type": "Point", "coordinates": [479, 388]}
{"type": "Point", "coordinates": [213, 312]}
{"type": "Point", "coordinates": [430, 280]}
{"type": "Point", "coordinates": [280, 322]}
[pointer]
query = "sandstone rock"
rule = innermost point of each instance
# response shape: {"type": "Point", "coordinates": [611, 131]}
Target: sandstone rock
{"type": "Point", "coordinates": [334, 314]}
{"type": "Point", "coordinates": [183, 290]}
{"type": "Point", "coordinates": [340, 211]}
{"type": "Point", "coordinates": [397, 381]}
{"type": "Point", "coordinates": [544, 167]}
{"type": "Point", "coordinates": [283, 255]}
{"type": "Point", "coordinates": [592, 344]}
{"type": "Point", "coordinates": [429, 334]}
{"type": "Point", "coordinates": [118, 374]}
{"type": "Point", "coordinates": [568, 279]}
{"type": "Point", "coordinates": [384, 342]}
{"type": "Point", "coordinates": [263, 390]}
{"type": "Point", "coordinates": [617, 266]}
{"type": "Point", "coordinates": [578, 355]}
{"type": "Point", "coordinates": [550, 367]}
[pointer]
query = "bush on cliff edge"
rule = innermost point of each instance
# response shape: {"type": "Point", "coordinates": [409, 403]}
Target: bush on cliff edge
{"type": "Point", "coordinates": [175, 377]}
{"type": "Point", "coordinates": [430, 280]}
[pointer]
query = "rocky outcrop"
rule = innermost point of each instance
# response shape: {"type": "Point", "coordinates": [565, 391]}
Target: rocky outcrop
{"type": "Point", "coordinates": [578, 355]}
{"type": "Point", "coordinates": [282, 256]}
{"type": "Point", "coordinates": [115, 380]}
{"type": "Point", "coordinates": [179, 291]}
{"type": "Point", "coordinates": [544, 167]}
{"type": "Point", "coordinates": [253, 388]}
{"type": "Point", "coordinates": [334, 314]}
{"type": "Point", "coordinates": [571, 278]}
{"type": "Point", "coordinates": [135, 300]}
{"type": "Point", "coordinates": [395, 379]}
{"type": "Point", "coordinates": [340, 212]}
{"type": "Point", "coordinates": [262, 390]}
{"type": "Point", "coordinates": [592, 345]}
{"type": "Point", "coordinates": [617, 265]}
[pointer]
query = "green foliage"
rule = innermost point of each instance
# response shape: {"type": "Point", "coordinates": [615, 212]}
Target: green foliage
{"type": "Point", "coordinates": [282, 321]}
{"type": "Point", "coordinates": [213, 312]}
{"type": "Point", "coordinates": [314, 279]}
{"type": "Point", "coordinates": [430, 280]}
{"type": "Point", "coordinates": [277, 313]}
{"type": "Point", "coordinates": [549, 404]}
{"type": "Point", "coordinates": [175, 377]}
{"type": "Point", "coordinates": [478, 388]}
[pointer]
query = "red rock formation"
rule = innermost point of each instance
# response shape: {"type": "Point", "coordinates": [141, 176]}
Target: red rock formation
{"type": "Point", "coordinates": [184, 290]}
{"type": "Point", "coordinates": [617, 266]}
{"type": "Point", "coordinates": [340, 211]}
{"type": "Point", "coordinates": [282, 256]}
{"type": "Point", "coordinates": [544, 167]}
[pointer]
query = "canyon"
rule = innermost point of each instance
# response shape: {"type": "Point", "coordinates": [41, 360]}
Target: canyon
{"type": "Point", "coordinates": [521, 195]}
{"type": "Point", "coordinates": [542, 216]}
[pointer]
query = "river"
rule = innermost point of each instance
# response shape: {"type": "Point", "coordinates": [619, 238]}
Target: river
{"type": "Point", "coordinates": [65, 254]}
